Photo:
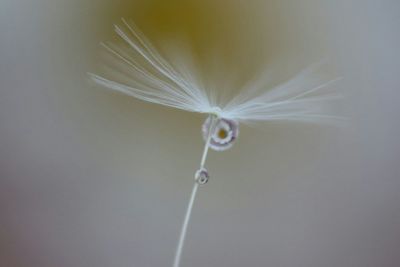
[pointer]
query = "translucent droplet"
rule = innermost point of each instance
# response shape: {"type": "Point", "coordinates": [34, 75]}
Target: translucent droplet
{"type": "Point", "coordinates": [202, 176]}
{"type": "Point", "coordinates": [225, 132]}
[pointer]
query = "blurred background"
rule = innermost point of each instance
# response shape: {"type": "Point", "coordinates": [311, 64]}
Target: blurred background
{"type": "Point", "coordinates": [89, 177]}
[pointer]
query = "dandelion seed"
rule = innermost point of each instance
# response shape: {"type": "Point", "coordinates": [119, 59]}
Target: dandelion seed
{"type": "Point", "coordinates": [146, 75]}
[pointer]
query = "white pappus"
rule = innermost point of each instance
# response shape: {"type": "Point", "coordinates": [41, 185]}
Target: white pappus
{"type": "Point", "coordinates": [144, 74]}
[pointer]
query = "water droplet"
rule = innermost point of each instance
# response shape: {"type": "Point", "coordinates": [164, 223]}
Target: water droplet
{"type": "Point", "coordinates": [224, 133]}
{"type": "Point", "coordinates": [202, 176]}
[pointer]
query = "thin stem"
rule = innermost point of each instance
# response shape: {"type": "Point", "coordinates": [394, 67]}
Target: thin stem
{"type": "Point", "coordinates": [207, 145]}
{"type": "Point", "coordinates": [179, 248]}
{"type": "Point", "coordinates": [185, 224]}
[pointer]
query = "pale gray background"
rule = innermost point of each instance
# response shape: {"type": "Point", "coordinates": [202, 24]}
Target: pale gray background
{"type": "Point", "coordinates": [94, 178]}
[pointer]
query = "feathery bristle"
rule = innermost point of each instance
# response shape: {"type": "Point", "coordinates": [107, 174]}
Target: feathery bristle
{"type": "Point", "coordinates": [150, 77]}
